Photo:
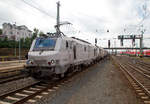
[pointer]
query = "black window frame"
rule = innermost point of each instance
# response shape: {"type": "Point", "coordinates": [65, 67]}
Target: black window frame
{"type": "Point", "coordinates": [67, 44]}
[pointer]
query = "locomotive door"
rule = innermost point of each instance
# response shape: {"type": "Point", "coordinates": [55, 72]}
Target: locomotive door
{"type": "Point", "coordinates": [74, 52]}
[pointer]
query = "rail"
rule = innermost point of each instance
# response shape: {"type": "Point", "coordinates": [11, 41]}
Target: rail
{"type": "Point", "coordinates": [140, 88]}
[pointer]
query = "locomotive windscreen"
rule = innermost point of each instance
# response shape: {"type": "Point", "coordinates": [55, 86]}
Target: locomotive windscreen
{"type": "Point", "coordinates": [44, 44]}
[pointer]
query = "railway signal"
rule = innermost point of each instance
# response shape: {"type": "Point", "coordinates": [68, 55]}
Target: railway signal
{"type": "Point", "coordinates": [133, 42]}
{"type": "Point", "coordinates": [133, 37]}
{"type": "Point", "coordinates": [95, 41]}
{"type": "Point", "coordinates": [121, 42]}
{"type": "Point", "coordinates": [108, 43]}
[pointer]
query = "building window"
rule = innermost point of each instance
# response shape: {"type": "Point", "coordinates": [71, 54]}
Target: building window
{"type": "Point", "coordinates": [85, 49]}
{"type": "Point", "coordinates": [11, 32]}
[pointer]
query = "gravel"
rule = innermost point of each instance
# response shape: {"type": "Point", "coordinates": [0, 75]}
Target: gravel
{"type": "Point", "coordinates": [99, 84]}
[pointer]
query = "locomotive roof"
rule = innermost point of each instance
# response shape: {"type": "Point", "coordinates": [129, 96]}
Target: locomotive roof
{"type": "Point", "coordinates": [54, 35]}
{"type": "Point", "coordinates": [77, 40]}
{"type": "Point", "coordinates": [81, 40]}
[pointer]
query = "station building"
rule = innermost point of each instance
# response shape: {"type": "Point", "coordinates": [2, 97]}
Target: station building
{"type": "Point", "coordinates": [14, 32]}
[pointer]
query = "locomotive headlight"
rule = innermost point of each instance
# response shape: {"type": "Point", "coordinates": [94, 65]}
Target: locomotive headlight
{"type": "Point", "coordinates": [52, 61]}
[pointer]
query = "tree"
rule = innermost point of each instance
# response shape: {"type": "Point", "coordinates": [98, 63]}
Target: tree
{"type": "Point", "coordinates": [1, 43]}
{"type": "Point", "coordinates": [27, 42]}
{"type": "Point", "coordinates": [5, 43]}
{"type": "Point", "coordinates": [22, 42]}
{"type": "Point", "coordinates": [36, 30]}
{"type": "Point", "coordinates": [35, 33]}
{"type": "Point", "coordinates": [1, 31]}
{"type": "Point", "coordinates": [41, 33]}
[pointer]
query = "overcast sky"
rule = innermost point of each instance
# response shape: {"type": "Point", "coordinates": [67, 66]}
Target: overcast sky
{"type": "Point", "coordinates": [90, 18]}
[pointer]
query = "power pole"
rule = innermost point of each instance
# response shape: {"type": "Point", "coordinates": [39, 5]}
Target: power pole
{"type": "Point", "coordinates": [15, 39]}
{"type": "Point", "coordinates": [58, 18]}
{"type": "Point", "coordinates": [115, 46]}
{"type": "Point", "coordinates": [58, 24]}
{"type": "Point", "coordinates": [19, 49]}
{"type": "Point", "coordinates": [141, 43]}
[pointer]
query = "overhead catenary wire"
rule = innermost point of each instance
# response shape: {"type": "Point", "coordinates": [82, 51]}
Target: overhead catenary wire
{"type": "Point", "coordinates": [35, 7]}
{"type": "Point", "coordinates": [11, 20]}
{"type": "Point", "coordinates": [40, 10]}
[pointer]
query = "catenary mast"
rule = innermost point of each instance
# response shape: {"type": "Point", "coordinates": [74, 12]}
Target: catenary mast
{"type": "Point", "coordinates": [58, 19]}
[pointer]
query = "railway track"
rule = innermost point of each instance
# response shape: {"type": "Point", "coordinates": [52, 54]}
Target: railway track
{"type": "Point", "coordinates": [32, 93]}
{"type": "Point", "coordinates": [140, 62]}
{"type": "Point", "coordinates": [19, 96]}
{"type": "Point", "coordinates": [140, 69]}
{"type": "Point", "coordinates": [10, 75]}
{"type": "Point", "coordinates": [36, 91]}
{"type": "Point", "coordinates": [29, 94]}
{"type": "Point", "coordinates": [13, 78]}
{"type": "Point", "coordinates": [144, 65]}
{"type": "Point", "coordinates": [137, 78]}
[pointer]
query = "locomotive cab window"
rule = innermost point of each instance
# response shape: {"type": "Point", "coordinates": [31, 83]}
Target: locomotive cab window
{"type": "Point", "coordinates": [44, 44]}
